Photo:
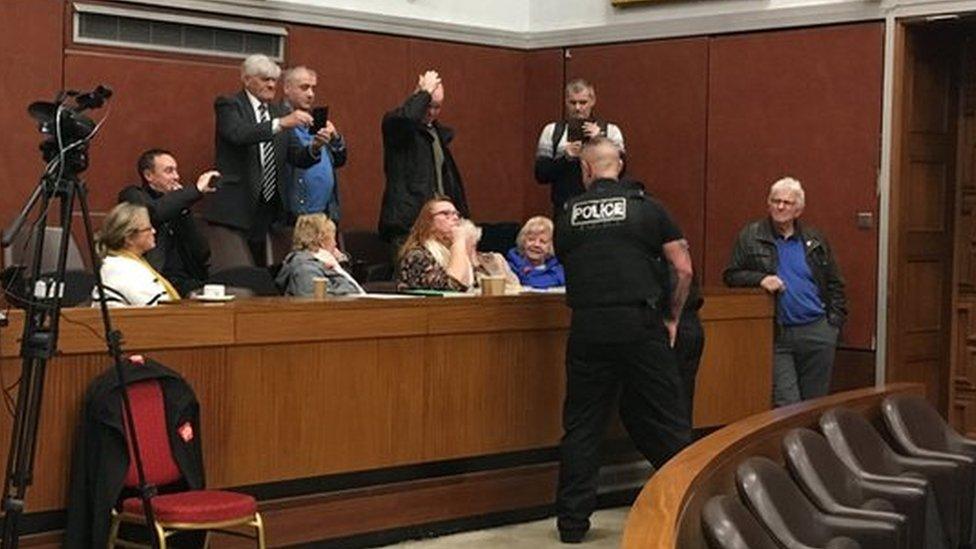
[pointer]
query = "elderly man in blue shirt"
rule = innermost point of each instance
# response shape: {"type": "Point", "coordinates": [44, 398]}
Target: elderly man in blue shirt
{"type": "Point", "coordinates": [315, 189]}
{"type": "Point", "coordinates": [793, 262]}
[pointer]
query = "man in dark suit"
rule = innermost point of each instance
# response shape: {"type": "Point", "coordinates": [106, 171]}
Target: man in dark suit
{"type": "Point", "coordinates": [253, 144]}
{"type": "Point", "coordinates": [181, 253]}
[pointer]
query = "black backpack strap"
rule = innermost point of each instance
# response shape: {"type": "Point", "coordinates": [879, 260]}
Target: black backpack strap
{"type": "Point", "coordinates": [557, 135]}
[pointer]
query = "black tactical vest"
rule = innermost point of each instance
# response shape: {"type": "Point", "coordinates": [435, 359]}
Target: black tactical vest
{"type": "Point", "coordinates": [610, 248]}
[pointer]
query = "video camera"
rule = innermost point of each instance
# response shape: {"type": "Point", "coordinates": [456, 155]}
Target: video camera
{"type": "Point", "coordinates": [66, 127]}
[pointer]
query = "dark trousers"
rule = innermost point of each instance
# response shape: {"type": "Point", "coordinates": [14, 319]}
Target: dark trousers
{"type": "Point", "coordinates": [267, 215]}
{"type": "Point", "coordinates": [652, 408]}
{"type": "Point", "coordinates": [803, 360]}
{"type": "Point", "coordinates": [688, 348]}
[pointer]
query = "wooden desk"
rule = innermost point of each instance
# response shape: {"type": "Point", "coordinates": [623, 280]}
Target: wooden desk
{"type": "Point", "coordinates": [294, 389]}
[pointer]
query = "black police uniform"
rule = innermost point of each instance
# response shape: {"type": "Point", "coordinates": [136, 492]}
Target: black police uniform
{"type": "Point", "coordinates": [610, 240]}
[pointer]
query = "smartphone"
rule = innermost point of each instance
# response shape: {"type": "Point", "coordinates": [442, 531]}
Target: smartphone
{"type": "Point", "coordinates": [320, 115]}
{"type": "Point", "coordinates": [574, 131]}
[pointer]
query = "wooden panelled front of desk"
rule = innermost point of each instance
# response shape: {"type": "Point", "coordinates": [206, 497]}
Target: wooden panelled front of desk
{"type": "Point", "coordinates": [295, 389]}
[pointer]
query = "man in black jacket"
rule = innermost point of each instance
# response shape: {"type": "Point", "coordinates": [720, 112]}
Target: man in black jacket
{"type": "Point", "coordinates": [416, 159]}
{"type": "Point", "coordinates": [253, 143]}
{"type": "Point", "coordinates": [794, 263]}
{"type": "Point", "coordinates": [181, 254]}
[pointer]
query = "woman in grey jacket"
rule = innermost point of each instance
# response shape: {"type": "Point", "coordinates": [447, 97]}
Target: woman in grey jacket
{"type": "Point", "coordinates": [315, 254]}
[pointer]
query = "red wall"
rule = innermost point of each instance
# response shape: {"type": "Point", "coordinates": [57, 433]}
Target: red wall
{"type": "Point", "coordinates": [30, 70]}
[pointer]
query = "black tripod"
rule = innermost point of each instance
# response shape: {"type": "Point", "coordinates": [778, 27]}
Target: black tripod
{"type": "Point", "coordinates": [66, 151]}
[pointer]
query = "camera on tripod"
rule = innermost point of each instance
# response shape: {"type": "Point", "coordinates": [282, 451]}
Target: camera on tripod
{"type": "Point", "coordinates": [66, 127]}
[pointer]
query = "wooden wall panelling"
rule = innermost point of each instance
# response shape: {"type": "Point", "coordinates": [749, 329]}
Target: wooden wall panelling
{"type": "Point", "coordinates": [30, 70]}
{"type": "Point", "coordinates": [853, 369]}
{"type": "Point", "coordinates": [543, 104]}
{"type": "Point", "coordinates": [361, 76]}
{"type": "Point", "coordinates": [962, 388]}
{"type": "Point", "coordinates": [373, 417]}
{"type": "Point", "coordinates": [656, 92]}
{"type": "Point", "coordinates": [495, 392]}
{"type": "Point", "coordinates": [483, 103]}
{"type": "Point", "coordinates": [805, 103]}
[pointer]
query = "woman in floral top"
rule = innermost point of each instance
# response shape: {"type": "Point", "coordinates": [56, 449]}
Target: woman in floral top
{"type": "Point", "coordinates": [434, 256]}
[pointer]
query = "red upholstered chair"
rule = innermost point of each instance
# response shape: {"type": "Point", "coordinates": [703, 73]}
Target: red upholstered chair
{"type": "Point", "coordinates": [209, 510]}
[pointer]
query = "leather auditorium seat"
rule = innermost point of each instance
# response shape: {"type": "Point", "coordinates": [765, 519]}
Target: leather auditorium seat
{"type": "Point", "coordinates": [918, 430]}
{"type": "Point", "coordinates": [863, 450]}
{"type": "Point", "coordinates": [837, 490]}
{"type": "Point", "coordinates": [794, 521]}
{"type": "Point", "coordinates": [729, 525]}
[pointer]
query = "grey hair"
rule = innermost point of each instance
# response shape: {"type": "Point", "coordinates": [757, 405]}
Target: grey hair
{"type": "Point", "coordinates": [291, 73]}
{"type": "Point", "coordinates": [578, 85]}
{"type": "Point", "coordinates": [535, 225]}
{"type": "Point", "coordinates": [790, 185]}
{"type": "Point", "coordinates": [470, 229]}
{"type": "Point", "coordinates": [260, 65]}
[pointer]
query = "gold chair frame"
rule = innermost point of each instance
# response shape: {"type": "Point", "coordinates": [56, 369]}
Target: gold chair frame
{"type": "Point", "coordinates": [165, 529]}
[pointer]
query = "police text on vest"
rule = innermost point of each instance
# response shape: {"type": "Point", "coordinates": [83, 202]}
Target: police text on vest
{"type": "Point", "coordinates": [589, 212]}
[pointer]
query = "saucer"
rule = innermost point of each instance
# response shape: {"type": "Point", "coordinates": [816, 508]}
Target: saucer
{"type": "Point", "coordinates": [215, 298]}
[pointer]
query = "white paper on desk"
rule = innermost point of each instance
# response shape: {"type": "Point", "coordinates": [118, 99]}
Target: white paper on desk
{"type": "Point", "coordinates": [553, 290]}
{"type": "Point", "coordinates": [383, 296]}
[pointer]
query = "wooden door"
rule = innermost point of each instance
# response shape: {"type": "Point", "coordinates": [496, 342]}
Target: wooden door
{"type": "Point", "coordinates": [923, 195]}
{"type": "Point", "coordinates": [962, 388]}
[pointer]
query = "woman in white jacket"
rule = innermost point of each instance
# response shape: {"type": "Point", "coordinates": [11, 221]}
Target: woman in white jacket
{"type": "Point", "coordinates": [128, 278]}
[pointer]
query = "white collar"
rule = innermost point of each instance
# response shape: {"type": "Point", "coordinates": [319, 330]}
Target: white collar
{"type": "Point", "coordinates": [255, 102]}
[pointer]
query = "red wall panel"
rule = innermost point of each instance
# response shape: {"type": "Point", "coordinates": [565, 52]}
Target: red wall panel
{"type": "Point", "coordinates": [30, 70]}
{"type": "Point", "coordinates": [657, 93]}
{"type": "Point", "coordinates": [158, 102]}
{"type": "Point", "coordinates": [805, 103]}
{"type": "Point", "coordinates": [543, 104]}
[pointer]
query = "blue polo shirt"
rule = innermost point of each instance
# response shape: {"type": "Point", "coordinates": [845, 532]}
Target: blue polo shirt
{"type": "Point", "coordinates": [313, 186]}
{"type": "Point", "coordinates": [800, 303]}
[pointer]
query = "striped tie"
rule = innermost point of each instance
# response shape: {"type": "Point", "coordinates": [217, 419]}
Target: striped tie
{"type": "Point", "coordinates": [268, 176]}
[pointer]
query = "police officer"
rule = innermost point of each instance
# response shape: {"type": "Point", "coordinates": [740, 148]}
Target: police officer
{"type": "Point", "coordinates": [617, 245]}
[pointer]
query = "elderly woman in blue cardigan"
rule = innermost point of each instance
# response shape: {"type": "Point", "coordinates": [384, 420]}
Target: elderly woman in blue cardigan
{"type": "Point", "coordinates": [533, 259]}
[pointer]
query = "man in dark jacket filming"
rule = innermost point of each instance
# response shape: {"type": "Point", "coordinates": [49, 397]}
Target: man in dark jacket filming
{"type": "Point", "coordinates": [793, 262]}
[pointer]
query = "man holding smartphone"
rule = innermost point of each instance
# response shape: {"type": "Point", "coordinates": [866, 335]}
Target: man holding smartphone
{"type": "Point", "coordinates": [181, 254]}
{"type": "Point", "coordinates": [314, 189]}
{"type": "Point", "coordinates": [557, 156]}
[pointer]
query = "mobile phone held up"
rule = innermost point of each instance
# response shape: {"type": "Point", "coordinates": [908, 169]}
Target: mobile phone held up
{"type": "Point", "coordinates": [320, 115]}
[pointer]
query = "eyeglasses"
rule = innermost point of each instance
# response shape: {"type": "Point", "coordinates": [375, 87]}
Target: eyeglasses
{"type": "Point", "coordinates": [781, 202]}
{"type": "Point", "coordinates": [448, 213]}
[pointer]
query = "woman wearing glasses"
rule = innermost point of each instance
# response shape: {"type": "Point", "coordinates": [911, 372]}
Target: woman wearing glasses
{"type": "Point", "coordinates": [128, 278]}
{"type": "Point", "coordinates": [435, 254]}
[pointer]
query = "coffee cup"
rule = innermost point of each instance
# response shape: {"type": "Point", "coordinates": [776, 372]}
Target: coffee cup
{"type": "Point", "coordinates": [320, 287]}
{"type": "Point", "coordinates": [213, 290]}
{"type": "Point", "coordinates": [493, 285]}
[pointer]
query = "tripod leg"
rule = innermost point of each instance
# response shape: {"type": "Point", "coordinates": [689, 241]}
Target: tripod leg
{"type": "Point", "coordinates": [38, 344]}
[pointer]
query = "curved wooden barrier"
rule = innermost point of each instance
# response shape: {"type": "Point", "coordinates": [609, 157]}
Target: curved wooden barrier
{"type": "Point", "coordinates": [666, 513]}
